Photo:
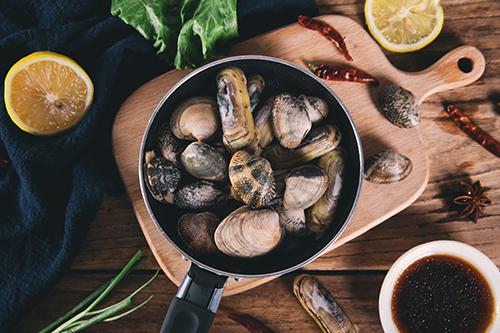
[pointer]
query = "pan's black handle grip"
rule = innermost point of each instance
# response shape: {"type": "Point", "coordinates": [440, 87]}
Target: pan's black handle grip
{"type": "Point", "coordinates": [193, 308]}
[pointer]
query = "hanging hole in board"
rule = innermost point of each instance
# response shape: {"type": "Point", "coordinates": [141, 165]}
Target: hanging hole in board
{"type": "Point", "coordinates": [465, 65]}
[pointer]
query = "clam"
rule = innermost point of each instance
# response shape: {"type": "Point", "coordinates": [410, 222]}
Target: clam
{"type": "Point", "coordinates": [196, 119]}
{"type": "Point", "coordinates": [233, 195]}
{"type": "Point", "coordinates": [169, 146]}
{"type": "Point", "coordinates": [238, 126]}
{"type": "Point", "coordinates": [290, 120]}
{"type": "Point", "coordinates": [304, 186]}
{"type": "Point", "coordinates": [255, 86]}
{"type": "Point", "coordinates": [219, 146]}
{"type": "Point", "coordinates": [252, 179]}
{"type": "Point", "coordinates": [199, 195]}
{"type": "Point", "coordinates": [204, 162]}
{"type": "Point", "coordinates": [247, 233]}
{"type": "Point", "coordinates": [264, 124]}
{"type": "Point", "coordinates": [279, 182]}
{"type": "Point", "coordinates": [399, 106]}
{"type": "Point", "coordinates": [319, 141]}
{"type": "Point", "coordinates": [320, 215]}
{"type": "Point", "coordinates": [197, 231]}
{"type": "Point", "coordinates": [317, 108]}
{"type": "Point", "coordinates": [387, 167]}
{"type": "Point", "coordinates": [162, 177]}
{"type": "Point", "coordinates": [321, 306]}
{"type": "Point", "coordinates": [293, 221]}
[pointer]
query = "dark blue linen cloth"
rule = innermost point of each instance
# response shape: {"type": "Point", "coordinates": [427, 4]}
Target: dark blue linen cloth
{"type": "Point", "coordinates": [52, 187]}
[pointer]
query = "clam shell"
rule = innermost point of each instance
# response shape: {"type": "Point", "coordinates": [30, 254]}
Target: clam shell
{"type": "Point", "coordinates": [197, 231]}
{"type": "Point", "coordinates": [204, 162]}
{"type": "Point", "coordinates": [317, 108]}
{"type": "Point", "coordinates": [293, 221]}
{"type": "Point", "coordinates": [233, 194]}
{"type": "Point", "coordinates": [321, 214]}
{"type": "Point", "coordinates": [199, 195]}
{"type": "Point", "coordinates": [238, 125]}
{"type": "Point", "coordinates": [247, 233]}
{"type": "Point", "coordinates": [252, 179]}
{"type": "Point", "coordinates": [169, 146]}
{"type": "Point", "coordinates": [196, 119]}
{"type": "Point", "coordinates": [255, 86]}
{"type": "Point", "coordinates": [304, 186]}
{"type": "Point", "coordinates": [279, 183]}
{"type": "Point", "coordinates": [399, 106]}
{"type": "Point", "coordinates": [264, 125]}
{"type": "Point", "coordinates": [321, 306]}
{"type": "Point", "coordinates": [319, 141]}
{"type": "Point", "coordinates": [387, 167]}
{"type": "Point", "coordinates": [290, 120]}
{"type": "Point", "coordinates": [161, 177]}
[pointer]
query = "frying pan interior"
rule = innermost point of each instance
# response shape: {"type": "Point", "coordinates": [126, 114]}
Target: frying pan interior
{"type": "Point", "coordinates": [280, 77]}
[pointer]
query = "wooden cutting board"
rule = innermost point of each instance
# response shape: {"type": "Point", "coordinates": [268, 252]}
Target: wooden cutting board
{"type": "Point", "coordinates": [296, 44]}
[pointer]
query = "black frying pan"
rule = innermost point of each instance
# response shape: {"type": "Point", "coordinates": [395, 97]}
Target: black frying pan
{"type": "Point", "coordinates": [193, 309]}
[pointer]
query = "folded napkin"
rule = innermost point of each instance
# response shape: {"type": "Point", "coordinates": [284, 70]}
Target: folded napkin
{"type": "Point", "coordinates": [52, 187]}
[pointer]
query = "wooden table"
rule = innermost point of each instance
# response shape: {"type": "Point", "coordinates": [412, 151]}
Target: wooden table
{"type": "Point", "coordinates": [354, 272]}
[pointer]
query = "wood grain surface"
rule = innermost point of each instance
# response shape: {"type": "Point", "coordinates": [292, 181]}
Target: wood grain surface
{"type": "Point", "coordinates": [354, 272]}
{"type": "Point", "coordinates": [375, 131]}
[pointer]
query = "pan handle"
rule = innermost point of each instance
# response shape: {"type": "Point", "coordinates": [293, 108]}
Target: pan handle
{"type": "Point", "coordinates": [193, 308]}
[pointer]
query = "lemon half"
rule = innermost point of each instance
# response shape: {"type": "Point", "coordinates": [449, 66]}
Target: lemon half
{"type": "Point", "coordinates": [47, 93]}
{"type": "Point", "coordinates": [404, 25]}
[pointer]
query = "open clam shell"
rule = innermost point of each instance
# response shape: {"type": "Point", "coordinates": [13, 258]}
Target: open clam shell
{"type": "Point", "coordinates": [290, 120]}
{"type": "Point", "coordinates": [204, 162]}
{"type": "Point", "coordinates": [399, 106]}
{"type": "Point", "coordinates": [252, 179]}
{"type": "Point", "coordinates": [319, 141]}
{"type": "Point", "coordinates": [196, 119]}
{"type": "Point", "coordinates": [161, 176]}
{"type": "Point", "coordinates": [387, 167]}
{"type": "Point", "coordinates": [255, 85]}
{"type": "Point", "coordinates": [321, 306]}
{"type": "Point", "coordinates": [197, 231]}
{"type": "Point", "coordinates": [199, 195]}
{"type": "Point", "coordinates": [238, 125]}
{"type": "Point", "coordinates": [304, 186]}
{"type": "Point", "coordinates": [321, 214]}
{"type": "Point", "coordinates": [317, 108]}
{"type": "Point", "coordinates": [247, 233]}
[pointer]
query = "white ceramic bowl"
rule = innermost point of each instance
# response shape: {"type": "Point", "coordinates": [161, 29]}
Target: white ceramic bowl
{"type": "Point", "coordinates": [466, 252]}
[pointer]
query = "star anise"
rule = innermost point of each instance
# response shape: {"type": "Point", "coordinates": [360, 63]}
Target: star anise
{"type": "Point", "coordinates": [474, 200]}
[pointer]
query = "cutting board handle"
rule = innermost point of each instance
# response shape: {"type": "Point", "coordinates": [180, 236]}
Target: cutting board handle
{"type": "Point", "coordinates": [457, 68]}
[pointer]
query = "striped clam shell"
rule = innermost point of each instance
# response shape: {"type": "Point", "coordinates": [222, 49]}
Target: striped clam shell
{"type": "Point", "coordinates": [252, 179]}
{"type": "Point", "coordinates": [399, 106]}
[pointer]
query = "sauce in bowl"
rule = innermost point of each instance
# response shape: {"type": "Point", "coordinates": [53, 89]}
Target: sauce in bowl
{"type": "Point", "coordinates": [442, 294]}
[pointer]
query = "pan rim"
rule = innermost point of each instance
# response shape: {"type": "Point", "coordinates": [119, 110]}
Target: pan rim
{"type": "Point", "coordinates": [217, 63]}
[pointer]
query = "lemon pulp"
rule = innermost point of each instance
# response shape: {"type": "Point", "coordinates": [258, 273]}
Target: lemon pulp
{"type": "Point", "coordinates": [404, 25]}
{"type": "Point", "coordinates": [46, 93]}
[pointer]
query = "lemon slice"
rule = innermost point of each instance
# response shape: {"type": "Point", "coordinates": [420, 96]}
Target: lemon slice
{"type": "Point", "coordinates": [47, 93]}
{"type": "Point", "coordinates": [404, 25]}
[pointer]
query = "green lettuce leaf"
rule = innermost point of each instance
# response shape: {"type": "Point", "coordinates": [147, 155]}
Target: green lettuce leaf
{"type": "Point", "coordinates": [184, 32]}
{"type": "Point", "coordinates": [157, 20]}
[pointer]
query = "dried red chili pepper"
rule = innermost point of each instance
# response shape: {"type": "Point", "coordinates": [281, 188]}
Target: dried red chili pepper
{"type": "Point", "coordinates": [337, 73]}
{"type": "Point", "coordinates": [327, 31]}
{"type": "Point", "coordinates": [472, 130]}
{"type": "Point", "coordinates": [250, 323]}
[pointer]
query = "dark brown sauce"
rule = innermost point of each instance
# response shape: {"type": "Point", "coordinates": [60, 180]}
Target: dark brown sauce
{"type": "Point", "coordinates": [442, 294]}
